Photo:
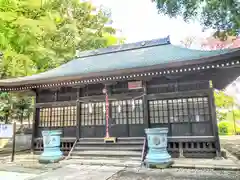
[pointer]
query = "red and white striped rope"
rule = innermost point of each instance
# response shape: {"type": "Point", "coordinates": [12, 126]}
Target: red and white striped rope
{"type": "Point", "coordinates": [107, 116]}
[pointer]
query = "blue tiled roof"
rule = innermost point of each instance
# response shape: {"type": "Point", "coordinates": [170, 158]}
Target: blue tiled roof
{"type": "Point", "coordinates": [159, 52]}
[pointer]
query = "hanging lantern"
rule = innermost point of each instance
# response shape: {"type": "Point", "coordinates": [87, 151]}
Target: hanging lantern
{"type": "Point", "coordinates": [133, 104]}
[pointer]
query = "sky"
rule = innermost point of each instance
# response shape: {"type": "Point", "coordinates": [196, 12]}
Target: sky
{"type": "Point", "coordinates": [139, 20]}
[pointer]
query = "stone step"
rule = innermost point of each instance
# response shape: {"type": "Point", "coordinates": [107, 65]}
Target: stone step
{"type": "Point", "coordinates": [110, 144]}
{"type": "Point", "coordinates": [107, 153]}
{"type": "Point", "coordinates": [120, 139]}
{"type": "Point", "coordinates": [130, 139]}
{"type": "Point", "coordinates": [107, 158]}
{"type": "Point", "coordinates": [105, 162]}
{"type": "Point", "coordinates": [109, 148]}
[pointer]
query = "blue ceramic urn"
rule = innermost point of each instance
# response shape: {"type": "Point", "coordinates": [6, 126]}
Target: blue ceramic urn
{"type": "Point", "coordinates": [51, 145]}
{"type": "Point", "coordinates": [157, 153]}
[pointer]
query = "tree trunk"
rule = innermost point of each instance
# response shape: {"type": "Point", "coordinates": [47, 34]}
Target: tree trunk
{"type": "Point", "coordinates": [21, 116]}
{"type": "Point", "coordinates": [6, 119]}
{"type": "Point", "coordinates": [29, 126]}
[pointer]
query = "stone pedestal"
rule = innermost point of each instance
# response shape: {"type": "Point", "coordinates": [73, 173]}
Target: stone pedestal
{"type": "Point", "coordinates": [157, 155]}
{"type": "Point", "coordinates": [51, 144]}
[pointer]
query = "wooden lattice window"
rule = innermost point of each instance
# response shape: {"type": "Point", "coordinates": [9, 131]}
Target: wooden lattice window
{"type": "Point", "coordinates": [100, 111]}
{"type": "Point", "coordinates": [127, 112]}
{"type": "Point", "coordinates": [135, 111]}
{"type": "Point", "coordinates": [45, 117]}
{"type": "Point", "coordinates": [179, 110]}
{"type": "Point", "coordinates": [58, 116]}
{"type": "Point", "coordinates": [199, 109]}
{"type": "Point", "coordinates": [70, 116]}
{"type": "Point", "coordinates": [158, 111]}
{"type": "Point", "coordinates": [119, 112]}
{"type": "Point", "coordinates": [93, 114]}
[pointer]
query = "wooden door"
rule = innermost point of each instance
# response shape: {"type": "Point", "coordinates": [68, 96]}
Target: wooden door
{"type": "Point", "coordinates": [127, 118]}
{"type": "Point", "coordinates": [92, 119]}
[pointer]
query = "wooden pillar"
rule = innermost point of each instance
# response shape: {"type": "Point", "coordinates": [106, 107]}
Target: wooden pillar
{"type": "Point", "coordinates": [78, 105]}
{"type": "Point", "coordinates": [35, 121]}
{"type": "Point", "coordinates": [55, 95]}
{"type": "Point", "coordinates": [145, 106]}
{"type": "Point", "coordinates": [214, 119]}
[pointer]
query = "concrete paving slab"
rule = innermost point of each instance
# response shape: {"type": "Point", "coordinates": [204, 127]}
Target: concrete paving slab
{"type": "Point", "coordinates": [174, 174]}
{"type": "Point", "coordinates": [14, 175]}
{"type": "Point", "coordinates": [106, 162]}
{"type": "Point", "coordinates": [231, 144]}
{"type": "Point", "coordinates": [224, 164]}
{"type": "Point", "coordinates": [80, 172]}
{"type": "Point", "coordinates": [86, 172]}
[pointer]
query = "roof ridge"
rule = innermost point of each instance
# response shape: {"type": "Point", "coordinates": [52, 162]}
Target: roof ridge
{"type": "Point", "coordinates": [125, 47]}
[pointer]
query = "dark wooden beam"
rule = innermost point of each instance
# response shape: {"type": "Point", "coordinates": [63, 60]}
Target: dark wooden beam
{"type": "Point", "coordinates": [191, 139]}
{"type": "Point", "coordinates": [145, 78]}
{"type": "Point", "coordinates": [214, 120]}
{"type": "Point", "coordinates": [79, 86]}
{"type": "Point", "coordinates": [34, 123]}
{"type": "Point", "coordinates": [182, 94]}
{"type": "Point", "coordinates": [56, 104]}
{"type": "Point", "coordinates": [145, 106]}
{"type": "Point", "coordinates": [109, 83]}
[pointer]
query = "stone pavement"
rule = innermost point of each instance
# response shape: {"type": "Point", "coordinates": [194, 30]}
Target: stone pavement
{"type": "Point", "coordinates": [217, 164]}
{"type": "Point", "coordinates": [26, 167]}
{"type": "Point", "coordinates": [80, 172]}
{"type": "Point", "coordinates": [84, 172]}
{"type": "Point", "coordinates": [174, 174]}
{"type": "Point", "coordinates": [231, 144]}
{"type": "Point", "coordinates": [15, 175]}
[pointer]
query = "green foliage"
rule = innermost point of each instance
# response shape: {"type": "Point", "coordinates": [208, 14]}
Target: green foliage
{"type": "Point", "coordinates": [226, 115]}
{"type": "Point", "coordinates": [224, 103]}
{"type": "Point", "coordinates": [222, 100]}
{"type": "Point", "coordinates": [38, 35]}
{"type": "Point", "coordinates": [14, 107]}
{"type": "Point", "coordinates": [233, 115]}
{"type": "Point", "coordinates": [227, 128]}
{"type": "Point", "coordinates": [224, 16]}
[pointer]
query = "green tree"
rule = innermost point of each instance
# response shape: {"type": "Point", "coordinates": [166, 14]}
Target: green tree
{"type": "Point", "coordinates": [224, 104]}
{"type": "Point", "coordinates": [222, 100]}
{"type": "Point", "coordinates": [223, 16]}
{"type": "Point", "coordinates": [7, 103]}
{"type": "Point", "coordinates": [23, 107]}
{"type": "Point", "coordinates": [37, 35]}
{"type": "Point", "coordinates": [227, 113]}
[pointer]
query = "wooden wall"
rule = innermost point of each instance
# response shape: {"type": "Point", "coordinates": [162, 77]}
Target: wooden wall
{"type": "Point", "coordinates": [161, 99]}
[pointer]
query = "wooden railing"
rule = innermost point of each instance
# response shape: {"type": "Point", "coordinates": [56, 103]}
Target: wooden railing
{"type": "Point", "coordinates": [144, 150]}
{"type": "Point", "coordinates": [69, 154]}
